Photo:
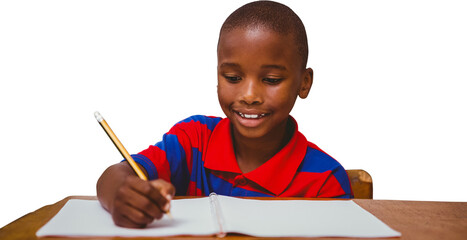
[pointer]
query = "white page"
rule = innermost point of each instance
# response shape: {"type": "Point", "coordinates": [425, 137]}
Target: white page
{"type": "Point", "coordinates": [267, 218]}
{"type": "Point", "coordinates": [88, 218]}
{"type": "Point", "coordinates": [301, 218]}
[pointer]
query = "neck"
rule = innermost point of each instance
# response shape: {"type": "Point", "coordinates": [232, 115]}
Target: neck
{"type": "Point", "coordinates": [253, 152]}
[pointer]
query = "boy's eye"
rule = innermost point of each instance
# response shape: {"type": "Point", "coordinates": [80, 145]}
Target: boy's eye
{"type": "Point", "coordinates": [273, 80]}
{"type": "Point", "coordinates": [233, 79]}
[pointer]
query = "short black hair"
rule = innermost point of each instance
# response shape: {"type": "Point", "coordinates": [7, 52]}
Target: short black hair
{"type": "Point", "coordinates": [270, 15]}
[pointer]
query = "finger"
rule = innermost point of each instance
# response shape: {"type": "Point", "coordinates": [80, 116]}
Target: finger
{"type": "Point", "coordinates": [166, 189]}
{"type": "Point", "coordinates": [126, 216]}
{"type": "Point", "coordinates": [153, 194]}
{"type": "Point", "coordinates": [129, 196]}
{"type": "Point", "coordinates": [123, 221]}
{"type": "Point", "coordinates": [136, 216]}
{"type": "Point", "coordinates": [144, 204]}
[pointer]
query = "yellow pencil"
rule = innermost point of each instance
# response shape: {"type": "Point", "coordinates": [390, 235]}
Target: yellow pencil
{"type": "Point", "coordinates": [122, 149]}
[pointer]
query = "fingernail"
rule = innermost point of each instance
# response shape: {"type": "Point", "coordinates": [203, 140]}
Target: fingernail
{"type": "Point", "coordinates": [167, 207]}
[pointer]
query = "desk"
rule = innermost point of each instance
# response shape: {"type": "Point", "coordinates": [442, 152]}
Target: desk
{"type": "Point", "coordinates": [414, 219]}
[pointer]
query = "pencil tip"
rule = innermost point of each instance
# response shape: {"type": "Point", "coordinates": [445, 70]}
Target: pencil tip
{"type": "Point", "coordinates": [169, 215]}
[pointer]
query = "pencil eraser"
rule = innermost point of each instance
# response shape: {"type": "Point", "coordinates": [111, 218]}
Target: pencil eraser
{"type": "Point", "coordinates": [98, 116]}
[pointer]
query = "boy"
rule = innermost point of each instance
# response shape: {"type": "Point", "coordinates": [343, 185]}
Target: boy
{"type": "Point", "coordinates": [257, 150]}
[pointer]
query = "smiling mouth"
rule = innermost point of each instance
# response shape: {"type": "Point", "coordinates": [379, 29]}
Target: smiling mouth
{"type": "Point", "coordinates": [251, 116]}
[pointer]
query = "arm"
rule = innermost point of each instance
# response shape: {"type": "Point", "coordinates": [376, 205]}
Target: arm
{"type": "Point", "coordinates": [337, 185]}
{"type": "Point", "coordinates": [133, 202]}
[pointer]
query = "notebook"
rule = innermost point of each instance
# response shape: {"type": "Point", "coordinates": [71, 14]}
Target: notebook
{"type": "Point", "coordinates": [218, 215]}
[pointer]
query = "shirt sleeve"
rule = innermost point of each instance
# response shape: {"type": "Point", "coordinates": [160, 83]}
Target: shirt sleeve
{"type": "Point", "coordinates": [172, 158]}
{"type": "Point", "coordinates": [337, 185]}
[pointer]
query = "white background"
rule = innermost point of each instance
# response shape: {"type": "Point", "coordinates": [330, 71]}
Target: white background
{"type": "Point", "coordinates": [389, 93]}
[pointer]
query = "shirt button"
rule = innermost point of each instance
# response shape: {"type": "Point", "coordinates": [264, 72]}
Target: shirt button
{"type": "Point", "coordinates": [240, 180]}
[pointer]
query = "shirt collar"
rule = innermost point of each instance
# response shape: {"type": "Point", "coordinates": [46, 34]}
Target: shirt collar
{"type": "Point", "coordinates": [274, 175]}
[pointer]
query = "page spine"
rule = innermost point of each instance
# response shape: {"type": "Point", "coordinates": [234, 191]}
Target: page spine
{"type": "Point", "coordinates": [217, 216]}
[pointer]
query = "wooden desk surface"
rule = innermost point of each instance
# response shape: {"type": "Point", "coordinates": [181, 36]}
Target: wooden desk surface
{"type": "Point", "coordinates": [414, 219]}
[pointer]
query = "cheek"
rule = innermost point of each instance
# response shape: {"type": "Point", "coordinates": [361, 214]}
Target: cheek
{"type": "Point", "coordinates": [282, 97]}
{"type": "Point", "coordinates": [224, 94]}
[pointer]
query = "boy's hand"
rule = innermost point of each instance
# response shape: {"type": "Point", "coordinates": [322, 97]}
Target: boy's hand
{"type": "Point", "coordinates": [131, 201]}
{"type": "Point", "coordinates": [137, 202]}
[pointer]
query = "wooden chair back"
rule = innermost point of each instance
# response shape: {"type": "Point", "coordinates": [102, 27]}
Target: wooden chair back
{"type": "Point", "coordinates": [361, 182]}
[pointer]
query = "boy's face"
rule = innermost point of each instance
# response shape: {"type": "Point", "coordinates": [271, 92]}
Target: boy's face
{"type": "Point", "coordinates": [260, 75]}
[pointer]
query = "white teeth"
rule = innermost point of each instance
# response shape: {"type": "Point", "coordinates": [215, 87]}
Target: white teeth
{"type": "Point", "coordinates": [251, 115]}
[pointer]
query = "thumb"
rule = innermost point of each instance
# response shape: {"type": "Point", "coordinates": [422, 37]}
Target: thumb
{"type": "Point", "coordinates": [165, 188]}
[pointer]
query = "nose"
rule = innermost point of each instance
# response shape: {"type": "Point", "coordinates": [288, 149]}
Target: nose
{"type": "Point", "coordinates": [251, 92]}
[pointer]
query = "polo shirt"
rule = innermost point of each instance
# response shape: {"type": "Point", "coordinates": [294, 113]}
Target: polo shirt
{"type": "Point", "coordinates": [197, 156]}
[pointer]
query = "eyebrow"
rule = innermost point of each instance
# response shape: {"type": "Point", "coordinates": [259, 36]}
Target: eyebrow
{"type": "Point", "coordinates": [227, 64]}
{"type": "Point", "coordinates": [274, 66]}
{"type": "Point", "coordinates": [279, 67]}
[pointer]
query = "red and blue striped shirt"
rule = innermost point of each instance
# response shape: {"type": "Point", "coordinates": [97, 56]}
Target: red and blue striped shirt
{"type": "Point", "coordinates": [197, 157]}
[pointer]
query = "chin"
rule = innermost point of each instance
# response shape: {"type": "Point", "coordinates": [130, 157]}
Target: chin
{"type": "Point", "coordinates": [252, 133]}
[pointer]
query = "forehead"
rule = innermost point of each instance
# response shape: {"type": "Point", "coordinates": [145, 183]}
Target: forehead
{"type": "Point", "coordinates": [259, 45]}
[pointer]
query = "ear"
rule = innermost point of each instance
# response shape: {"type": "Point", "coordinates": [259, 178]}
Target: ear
{"type": "Point", "coordinates": [307, 81]}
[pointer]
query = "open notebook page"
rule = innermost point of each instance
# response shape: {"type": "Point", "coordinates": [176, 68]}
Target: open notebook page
{"type": "Point", "coordinates": [266, 218]}
{"type": "Point", "coordinates": [88, 218]}
{"type": "Point", "coordinates": [298, 218]}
